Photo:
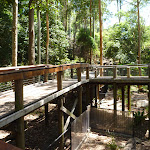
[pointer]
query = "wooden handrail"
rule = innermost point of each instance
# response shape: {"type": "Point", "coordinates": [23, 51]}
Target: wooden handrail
{"type": "Point", "coordinates": [25, 72]}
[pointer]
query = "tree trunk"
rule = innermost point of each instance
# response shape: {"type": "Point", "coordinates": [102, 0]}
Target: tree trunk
{"type": "Point", "coordinates": [39, 36]}
{"type": "Point", "coordinates": [47, 31]}
{"type": "Point", "coordinates": [15, 33]}
{"type": "Point", "coordinates": [90, 29]}
{"type": "Point", "coordinates": [139, 38]}
{"type": "Point", "coordinates": [101, 40]}
{"type": "Point", "coordinates": [93, 27]}
{"type": "Point", "coordinates": [31, 52]}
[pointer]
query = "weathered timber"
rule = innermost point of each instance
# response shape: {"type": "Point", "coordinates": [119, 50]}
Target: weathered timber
{"type": "Point", "coordinates": [79, 105]}
{"type": "Point", "coordinates": [72, 111]}
{"type": "Point", "coordinates": [128, 72]}
{"type": "Point", "coordinates": [129, 98]}
{"type": "Point", "coordinates": [115, 72]}
{"type": "Point", "coordinates": [60, 113]}
{"type": "Point", "coordinates": [17, 73]}
{"type": "Point", "coordinates": [36, 105]}
{"type": "Point", "coordinates": [6, 146]}
{"type": "Point", "coordinates": [20, 136]}
{"type": "Point", "coordinates": [115, 95]}
{"type": "Point", "coordinates": [122, 80]}
{"type": "Point", "coordinates": [123, 98]}
{"type": "Point", "coordinates": [67, 112]}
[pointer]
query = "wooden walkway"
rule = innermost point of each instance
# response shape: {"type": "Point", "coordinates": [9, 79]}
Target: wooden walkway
{"type": "Point", "coordinates": [32, 94]}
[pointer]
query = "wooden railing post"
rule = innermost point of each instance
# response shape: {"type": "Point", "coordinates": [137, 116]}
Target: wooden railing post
{"type": "Point", "coordinates": [115, 95]}
{"type": "Point", "coordinates": [115, 72]}
{"type": "Point", "coordinates": [46, 105]}
{"type": "Point", "coordinates": [80, 93]}
{"type": "Point", "coordinates": [71, 73]}
{"type": "Point", "coordinates": [87, 72]}
{"type": "Point", "coordinates": [60, 113]}
{"type": "Point", "coordinates": [128, 72]}
{"type": "Point", "coordinates": [129, 98]}
{"type": "Point", "coordinates": [123, 98]}
{"type": "Point", "coordinates": [20, 136]}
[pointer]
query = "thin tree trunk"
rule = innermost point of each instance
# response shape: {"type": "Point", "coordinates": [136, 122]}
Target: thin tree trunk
{"type": "Point", "coordinates": [31, 52]}
{"type": "Point", "coordinates": [47, 33]}
{"type": "Point", "coordinates": [139, 38]}
{"type": "Point", "coordinates": [93, 27]}
{"type": "Point", "coordinates": [15, 33]}
{"type": "Point", "coordinates": [101, 37]}
{"type": "Point", "coordinates": [90, 29]}
{"type": "Point", "coordinates": [39, 36]}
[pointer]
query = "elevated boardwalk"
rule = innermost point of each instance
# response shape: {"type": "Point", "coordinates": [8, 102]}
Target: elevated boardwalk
{"type": "Point", "coordinates": [25, 99]}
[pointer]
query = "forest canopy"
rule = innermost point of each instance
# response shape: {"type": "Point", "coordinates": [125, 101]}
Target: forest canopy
{"type": "Point", "coordinates": [68, 31]}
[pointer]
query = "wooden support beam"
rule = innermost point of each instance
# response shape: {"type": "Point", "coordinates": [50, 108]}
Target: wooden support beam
{"type": "Point", "coordinates": [72, 111]}
{"type": "Point", "coordinates": [20, 136]}
{"type": "Point", "coordinates": [123, 98]}
{"type": "Point", "coordinates": [79, 107]}
{"type": "Point", "coordinates": [60, 113]}
{"type": "Point", "coordinates": [115, 95]}
{"type": "Point", "coordinates": [67, 112]}
{"type": "Point", "coordinates": [129, 98]}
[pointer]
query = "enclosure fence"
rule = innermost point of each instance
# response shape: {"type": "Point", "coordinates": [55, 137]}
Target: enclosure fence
{"type": "Point", "coordinates": [80, 129]}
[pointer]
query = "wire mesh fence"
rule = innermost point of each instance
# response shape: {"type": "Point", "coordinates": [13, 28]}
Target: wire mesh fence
{"type": "Point", "coordinates": [79, 129]}
{"type": "Point", "coordinates": [112, 121]}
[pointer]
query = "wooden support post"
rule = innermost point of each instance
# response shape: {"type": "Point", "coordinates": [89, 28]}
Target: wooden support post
{"type": "Point", "coordinates": [87, 72]}
{"type": "Point", "coordinates": [115, 72]}
{"type": "Point", "coordinates": [96, 89]}
{"type": "Point", "coordinates": [115, 95]}
{"type": "Point", "coordinates": [79, 93]}
{"type": "Point", "coordinates": [149, 109]}
{"type": "Point", "coordinates": [149, 102]}
{"type": "Point", "coordinates": [20, 136]}
{"type": "Point", "coordinates": [60, 113]}
{"type": "Point", "coordinates": [123, 98]}
{"type": "Point", "coordinates": [129, 98]}
{"type": "Point", "coordinates": [128, 72]}
{"type": "Point", "coordinates": [71, 73]}
{"type": "Point", "coordinates": [46, 105]}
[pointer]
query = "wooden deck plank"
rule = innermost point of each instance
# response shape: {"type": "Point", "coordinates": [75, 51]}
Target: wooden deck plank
{"type": "Point", "coordinates": [6, 146]}
{"type": "Point", "coordinates": [32, 93]}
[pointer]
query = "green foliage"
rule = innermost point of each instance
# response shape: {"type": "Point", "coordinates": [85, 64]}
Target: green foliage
{"type": "Point", "coordinates": [112, 145]}
{"type": "Point", "coordinates": [120, 41]}
{"type": "Point", "coordinates": [5, 33]}
{"type": "Point", "coordinates": [85, 43]}
{"type": "Point", "coordinates": [139, 117]}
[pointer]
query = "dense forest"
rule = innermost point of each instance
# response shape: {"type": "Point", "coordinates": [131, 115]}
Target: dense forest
{"type": "Point", "coordinates": [68, 31]}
